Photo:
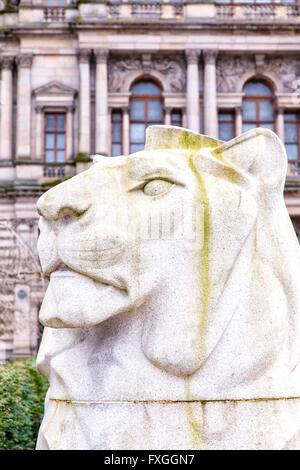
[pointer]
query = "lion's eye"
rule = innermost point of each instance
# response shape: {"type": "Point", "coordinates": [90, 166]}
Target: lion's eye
{"type": "Point", "coordinates": [157, 187]}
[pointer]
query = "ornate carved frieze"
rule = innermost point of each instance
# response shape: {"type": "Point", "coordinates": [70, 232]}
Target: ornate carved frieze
{"type": "Point", "coordinates": [173, 70]}
{"type": "Point", "coordinates": [230, 69]}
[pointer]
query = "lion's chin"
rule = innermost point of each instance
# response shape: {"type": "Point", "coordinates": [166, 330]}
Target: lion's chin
{"type": "Point", "coordinates": [73, 300]}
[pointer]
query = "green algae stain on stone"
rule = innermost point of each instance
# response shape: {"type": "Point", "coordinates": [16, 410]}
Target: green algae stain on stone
{"type": "Point", "coordinates": [205, 250]}
{"type": "Point", "coordinates": [193, 426]}
{"type": "Point", "coordinates": [169, 137]}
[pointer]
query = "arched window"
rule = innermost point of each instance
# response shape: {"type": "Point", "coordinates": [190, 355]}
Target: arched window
{"type": "Point", "coordinates": [145, 109]}
{"type": "Point", "coordinates": [258, 106]}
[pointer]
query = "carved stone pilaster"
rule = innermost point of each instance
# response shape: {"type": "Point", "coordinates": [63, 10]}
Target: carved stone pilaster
{"type": "Point", "coordinates": [192, 56]}
{"type": "Point", "coordinates": [39, 109]}
{"type": "Point", "coordinates": [210, 56]}
{"type": "Point", "coordinates": [84, 56]}
{"type": "Point", "coordinates": [101, 55]}
{"type": "Point", "coordinates": [25, 60]}
{"type": "Point", "coordinates": [7, 62]}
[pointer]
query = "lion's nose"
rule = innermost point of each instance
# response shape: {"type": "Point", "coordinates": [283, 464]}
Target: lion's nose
{"type": "Point", "coordinates": [61, 198]}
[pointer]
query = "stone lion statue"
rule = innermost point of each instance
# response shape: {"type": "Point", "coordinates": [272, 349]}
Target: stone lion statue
{"type": "Point", "coordinates": [172, 311]}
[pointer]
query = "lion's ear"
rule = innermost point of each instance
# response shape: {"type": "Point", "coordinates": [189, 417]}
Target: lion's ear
{"type": "Point", "coordinates": [259, 153]}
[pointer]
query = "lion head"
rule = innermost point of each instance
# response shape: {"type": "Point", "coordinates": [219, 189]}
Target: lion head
{"type": "Point", "coordinates": [192, 236]}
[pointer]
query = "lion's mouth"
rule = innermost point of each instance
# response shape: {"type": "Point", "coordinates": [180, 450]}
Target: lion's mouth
{"type": "Point", "coordinates": [62, 270]}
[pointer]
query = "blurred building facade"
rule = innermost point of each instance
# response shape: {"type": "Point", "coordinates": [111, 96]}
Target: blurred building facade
{"type": "Point", "coordinates": [86, 77]}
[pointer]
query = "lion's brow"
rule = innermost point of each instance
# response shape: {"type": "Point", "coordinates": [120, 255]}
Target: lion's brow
{"type": "Point", "coordinates": [145, 168]}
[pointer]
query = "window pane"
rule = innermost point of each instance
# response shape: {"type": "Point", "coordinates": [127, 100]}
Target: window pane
{"type": "Point", "coordinates": [137, 133]}
{"type": "Point", "coordinates": [137, 110]}
{"type": "Point", "coordinates": [257, 88]}
{"type": "Point", "coordinates": [117, 132]}
{"type": "Point", "coordinates": [247, 127]}
{"type": "Point", "coordinates": [249, 110]}
{"type": "Point", "coordinates": [176, 117]}
{"type": "Point", "coordinates": [225, 131]}
{"type": "Point", "coordinates": [291, 132]}
{"type": "Point", "coordinates": [146, 88]}
{"type": "Point", "coordinates": [136, 147]}
{"type": "Point", "coordinates": [292, 151]}
{"type": "Point", "coordinates": [49, 122]}
{"type": "Point", "coordinates": [116, 150]}
{"type": "Point", "coordinates": [50, 141]}
{"type": "Point", "coordinates": [60, 122]}
{"type": "Point", "coordinates": [225, 116]}
{"type": "Point", "coordinates": [50, 3]}
{"type": "Point", "coordinates": [116, 116]}
{"type": "Point", "coordinates": [154, 110]}
{"type": "Point", "coordinates": [61, 3]}
{"type": "Point", "coordinates": [49, 156]}
{"type": "Point", "coordinates": [60, 141]}
{"type": "Point", "coordinates": [266, 126]}
{"type": "Point", "coordinates": [290, 117]}
{"type": "Point", "coordinates": [60, 156]}
{"type": "Point", "coordinates": [266, 110]}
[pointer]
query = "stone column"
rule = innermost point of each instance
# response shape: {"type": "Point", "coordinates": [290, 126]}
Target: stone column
{"type": "Point", "coordinates": [192, 90]}
{"type": "Point", "coordinates": [39, 133]}
{"type": "Point", "coordinates": [238, 120]}
{"type": "Point", "coordinates": [23, 147]}
{"type": "Point", "coordinates": [168, 111]}
{"type": "Point", "coordinates": [69, 136]}
{"type": "Point", "coordinates": [125, 131]}
{"type": "Point", "coordinates": [102, 137]}
{"type": "Point", "coordinates": [6, 108]}
{"type": "Point", "coordinates": [210, 94]}
{"type": "Point", "coordinates": [280, 123]}
{"type": "Point", "coordinates": [84, 101]}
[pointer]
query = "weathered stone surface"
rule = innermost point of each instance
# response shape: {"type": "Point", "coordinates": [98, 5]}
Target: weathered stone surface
{"type": "Point", "coordinates": [172, 312]}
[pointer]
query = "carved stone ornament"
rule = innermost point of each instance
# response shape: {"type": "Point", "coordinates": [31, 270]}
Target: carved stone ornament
{"type": "Point", "coordinates": [7, 62]}
{"type": "Point", "coordinates": [25, 60]}
{"type": "Point", "coordinates": [192, 56]}
{"type": "Point", "coordinates": [230, 69]}
{"type": "Point", "coordinates": [84, 56]}
{"type": "Point", "coordinates": [101, 55]}
{"type": "Point", "coordinates": [210, 56]}
{"type": "Point", "coordinates": [173, 310]}
{"type": "Point", "coordinates": [173, 70]}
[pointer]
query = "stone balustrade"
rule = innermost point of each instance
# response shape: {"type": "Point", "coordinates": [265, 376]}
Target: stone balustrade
{"type": "Point", "coordinates": [54, 14]}
{"type": "Point", "coordinates": [164, 10]}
